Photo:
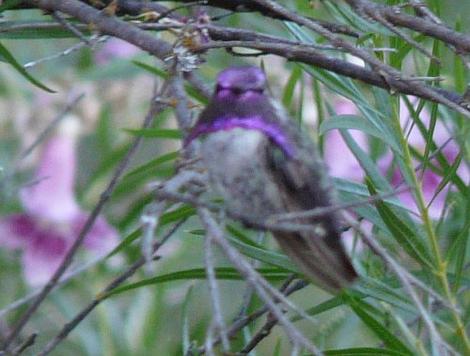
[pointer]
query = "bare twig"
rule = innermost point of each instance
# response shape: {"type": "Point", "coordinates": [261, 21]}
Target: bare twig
{"type": "Point", "coordinates": [262, 288]}
{"type": "Point", "coordinates": [248, 294]}
{"type": "Point", "coordinates": [169, 12]}
{"type": "Point", "coordinates": [322, 211]}
{"type": "Point", "coordinates": [379, 75]}
{"type": "Point", "coordinates": [63, 280]}
{"type": "Point", "coordinates": [40, 138]}
{"type": "Point", "coordinates": [273, 222]}
{"type": "Point", "coordinates": [422, 10]}
{"type": "Point", "coordinates": [209, 344]}
{"type": "Point", "coordinates": [439, 345]}
{"type": "Point", "coordinates": [67, 328]}
{"type": "Point", "coordinates": [219, 323]}
{"type": "Point", "coordinates": [109, 25]}
{"type": "Point", "coordinates": [136, 7]}
{"type": "Point", "coordinates": [71, 27]}
{"type": "Point", "coordinates": [393, 77]}
{"type": "Point", "coordinates": [150, 220]}
{"type": "Point", "coordinates": [393, 15]}
{"type": "Point", "coordinates": [66, 52]}
{"type": "Point", "coordinates": [260, 335]}
{"type": "Point", "coordinates": [308, 55]}
{"type": "Point", "coordinates": [407, 38]}
{"type": "Point", "coordinates": [247, 220]}
{"type": "Point", "coordinates": [183, 114]}
{"type": "Point", "coordinates": [27, 343]}
{"type": "Point", "coordinates": [267, 327]}
{"type": "Point", "coordinates": [240, 323]}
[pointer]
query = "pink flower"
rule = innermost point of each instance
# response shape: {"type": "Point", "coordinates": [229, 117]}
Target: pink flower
{"type": "Point", "coordinates": [115, 48]}
{"type": "Point", "coordinates": [340, 160]}
{"type": "Point", "coordinates": [343, 164]}
{"type": "Point", "coordinates": [52, 218]}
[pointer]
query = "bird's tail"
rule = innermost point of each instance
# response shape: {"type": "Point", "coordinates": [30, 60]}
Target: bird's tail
{"type": "Point", "coordinates": [321, 259]}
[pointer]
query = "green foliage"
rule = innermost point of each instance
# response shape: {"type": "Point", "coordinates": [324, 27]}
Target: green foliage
{"type": "Point", "coordinates": [6, 56]}
{"type": "Point", "coordinates": [168, 308]}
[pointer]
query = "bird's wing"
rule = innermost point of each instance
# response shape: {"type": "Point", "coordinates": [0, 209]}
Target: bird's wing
{"type": "Point", "coordinates": [303, 178]}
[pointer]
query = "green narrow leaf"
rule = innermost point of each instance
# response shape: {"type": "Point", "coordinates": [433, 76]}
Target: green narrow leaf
{"type": "Point", "coordinates": [360, 192]}
{"type": "Point", "coordinates": [320, 107]}
{"type": "Point", "coordinates": [278, 347]}
{"type": "Point", "coordinates": [288, 93]}
{"type": "Point", "coordinates": [430, 134]}
{"type": "Point", "coordinates": [300, 109]}
{"type": "Point", "coordinates": [389, 339]}
{"type": "Point", "coordinates": [329, 304]}
{"type": "Point", "coordinates": [18, 30]}
{"type": "Point", "coordinates": [402, 233]}
{"type": "Point", "coordinates": [439, 156]}
{"type": "Point", "coordinates": [354, 122]}
{"type": "Point", "coordinates": [105, 130]}
{"type": "Point", "coordinates": [7, 56]}
{"type": "Point", "coordinates": [126, 242]}
{"type": "Point", "coordinates": [458, 249]}
{"type": "Point", "coordinates": [172, 134]}
{"type": "Point", "coordinates": [448, 176]}
{"type": "Point", "coordinates": [460, 71]}
{"type": "Point", "coordinates": [127, 186]}
{"type": "Point", "coordinates": [366, 163]}
{"type": "Point", "coordinates": [181, 213]}
{"type": "Point", "coordinates": [225, 273]}
{"type": "Point", "coordinates": [8, 4]}
{"type": "Point", "coordinates": [134, 210]}
{"type": "Point", "coordinates": [444, 167]}
{"type": "Point", "coordinates": [107, 163]}
{"type": "Point", "coordinates": [154, 163]}
{"type": "Point", "coordinates": [262, 254]}
{"type": "Point", "coordinates": [241, 236]}
{"type": "Point", "coordinates": [364, 351]}
{"type": "Point", "coordinates": [151, 69]}
{"type": "Point", "coordinates": [388, 291]}
{"type": "Point", "coordinates": [193, 92]}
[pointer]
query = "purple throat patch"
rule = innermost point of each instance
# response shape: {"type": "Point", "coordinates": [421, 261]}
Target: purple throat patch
{"type": "Point", "coordinates": [270, 129]}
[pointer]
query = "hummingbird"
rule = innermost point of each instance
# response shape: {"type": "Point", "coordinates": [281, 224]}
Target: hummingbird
{"type": "Point", "coordinates": [262, 164]}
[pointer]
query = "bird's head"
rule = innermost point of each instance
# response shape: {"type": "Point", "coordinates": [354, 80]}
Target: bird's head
{"type": "Point", "coordinates": [240, 83]}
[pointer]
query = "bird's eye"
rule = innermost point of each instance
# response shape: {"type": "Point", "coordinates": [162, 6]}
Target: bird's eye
{"type": "Point", "coordinates": [236, 91]}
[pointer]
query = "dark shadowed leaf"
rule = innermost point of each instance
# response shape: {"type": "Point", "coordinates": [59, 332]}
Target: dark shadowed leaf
{"type": "Point", "coordinates": [8, 57]}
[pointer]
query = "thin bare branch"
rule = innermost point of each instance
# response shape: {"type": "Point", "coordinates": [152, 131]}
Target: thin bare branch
{"type": "Point", "coordinates": [67, 328]}
{"type": "Point", "coordinates": [71, 27]}
{"type": "Point", "coordinates": [96, 39]}
{"type": "Point", "coordinates": [214, 292]}
{"type": "Point", "coordinates": [53, 124]}
{"type": "Point", "coordinates": [392, 77]}
{"type": "Point", "coordinates": [109, 25]}
{"type": "Point", "coordinates": [262, 288]}
{"type": "Point", "coordinates": [379, 75]}
{"type": "Point", "coordinates": [322, 211]}
{"type": "Point", "coordinates": [63, 280]}
{"type": "Point", "coordinates": [395, 16]}
{"type": "Point", "coordinates": [439, 345]}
